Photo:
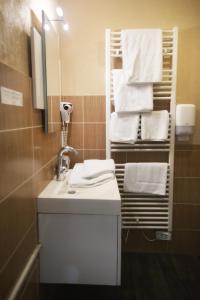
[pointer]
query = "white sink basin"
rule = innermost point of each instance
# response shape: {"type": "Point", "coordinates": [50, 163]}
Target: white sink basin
{"type": "Point", "coordinates": [57, 197]}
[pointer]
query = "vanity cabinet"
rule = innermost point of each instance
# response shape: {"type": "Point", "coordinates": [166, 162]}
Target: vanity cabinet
{"type": "Point", "coordinates": [81, 237]}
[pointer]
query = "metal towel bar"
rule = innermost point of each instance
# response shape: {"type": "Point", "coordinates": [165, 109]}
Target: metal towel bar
{"type": "Point", "coordinates": [144, 211]}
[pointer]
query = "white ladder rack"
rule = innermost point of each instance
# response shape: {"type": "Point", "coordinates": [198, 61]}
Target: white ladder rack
{"type": "Point", "coordinates": [145, 211]}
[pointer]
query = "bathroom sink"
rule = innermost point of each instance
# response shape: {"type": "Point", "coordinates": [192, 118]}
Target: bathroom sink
{"type": "Point", "coordinates": [58, 197]}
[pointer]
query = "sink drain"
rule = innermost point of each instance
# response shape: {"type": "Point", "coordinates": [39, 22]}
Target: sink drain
{"type": "Point", "coordinates": [71, 191]}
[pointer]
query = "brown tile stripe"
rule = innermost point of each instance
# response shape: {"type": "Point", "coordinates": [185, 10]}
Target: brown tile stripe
{"type": "Point", "coordinates": [187, 162]}
{"type": "Point", "coordinates": [187, 190]}
{"type": "Point", "coordinates": [45, 146]}
{"type": "Point", "coordinates": [17, 213]}
{"type": "Point", "coordinates": [16, 263]}
{"type": "Point", "coordinates": [15, 116]}
{"type": "Point", "coordinates": [77, 114]}
{"type": "Point", "coordinates": [186, 217]}
{"type": "Point", "coordinates": [16, 157]}
{"type": "Point", "coordinates": [185, 147]}
{"type": "Point", "coordinates": [49, 169]}
{"type": "Point", "coordinates": [183, 242]}
{"type": "Point", "coordinates": [16, 260]}
{"type": "Point", "coordinates": [87, 127]}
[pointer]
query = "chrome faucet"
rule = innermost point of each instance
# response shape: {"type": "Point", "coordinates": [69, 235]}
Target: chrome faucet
{"type": "Point", "coordinates": [60, 168]}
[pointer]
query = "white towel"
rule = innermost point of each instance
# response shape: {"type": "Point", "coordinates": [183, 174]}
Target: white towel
{"type": "Point", "coordinates": [124, 127]}
{"type": "Point", "coordinates": [131, 98]}
{"type": "Point", "coordinates": [148, 178]}
{"type": "Point", "coordinates": [76, 179]}
{"type": "Point", "coordinates": [142, 55]}
{"type": "Point", "coordinates": [155, 125]}
{"type": "Point", "coordinates": [96, 167]}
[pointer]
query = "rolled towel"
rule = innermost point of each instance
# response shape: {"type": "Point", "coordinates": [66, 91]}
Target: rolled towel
{"type": "Point", "coordinates": [142, 55]}
{"type": "Point", "coordinates": [95, 167]}
{"type": "Point", "coordinates": [155, 125]}
{"type": "Point", "coordinates": [76, 179]}
{"type": "Point", "coordinates": [150, 178]}
{"type": "Point", "coordinates": [124, 127]}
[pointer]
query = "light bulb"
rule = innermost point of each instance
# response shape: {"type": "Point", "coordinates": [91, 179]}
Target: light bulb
{"type": "Point", "coordinates": [46, 27]}
{"type": "Point", "coordinates": [59, 11]}
{"type": "Point", "coordinates": [66, 27]}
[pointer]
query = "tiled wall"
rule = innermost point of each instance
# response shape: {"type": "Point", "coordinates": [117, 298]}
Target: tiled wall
{"type": "Point", "coordinates": [27, 162]}
{"type": "Point", "coordinates": [186, 209]}
{"type": "Point", "coordinates": [27, 159]}
{"type": "Point", "coordinates": [87, 134]}
{"type": "Point", "coordinates": [87, 127]}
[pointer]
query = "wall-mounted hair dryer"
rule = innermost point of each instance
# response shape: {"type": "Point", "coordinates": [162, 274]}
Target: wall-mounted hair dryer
{"type": "Point", "coordinates": [66, 109]}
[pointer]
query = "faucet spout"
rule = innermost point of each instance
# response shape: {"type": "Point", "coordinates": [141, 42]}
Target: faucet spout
{"type": "Point", "coordinates": [60, 167]}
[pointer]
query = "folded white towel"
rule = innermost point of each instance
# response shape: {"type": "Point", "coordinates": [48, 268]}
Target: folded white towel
{"type": "Point", "coordinates": [76, 179]}
{"type": "Point", "coordinates": [148, 178]}
{"type": "Point", "coordinates": [124, 127]}
{"type": "Point", "coordinates": [154, 125]}
{"type": "Point", "coordinates": [96, 167]}
{"type": "Point", "coordinates": [142, 55]}
{"type": "Point", "coordinates": [131, 98]}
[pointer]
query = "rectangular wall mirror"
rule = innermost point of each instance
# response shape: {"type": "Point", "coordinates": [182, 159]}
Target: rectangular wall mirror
{"type": "Point", "coordinates": [51, 69]}
{"type": "Point", "coordinates": [37, 69]}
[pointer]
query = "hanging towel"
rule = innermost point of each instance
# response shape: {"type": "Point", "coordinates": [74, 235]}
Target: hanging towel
{"type": "Point", "coordinates": [148, 178]}
{"type": "Point", "coordinates": [76, 179]}
{"type": "Point", "coordinates": [95, 167]}
{"type": "Point", "coordinates": [124, 127]}
{"type": "Point", "coordinates": [154, 125]}
{"type": "Point", "coordinates": [142, 55]}
{"type": "Point", "coordinates": [131, 98]}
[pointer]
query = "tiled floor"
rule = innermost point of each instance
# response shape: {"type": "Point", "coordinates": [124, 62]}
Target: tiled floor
{"type": "Point", "coordinates": [144, 277]}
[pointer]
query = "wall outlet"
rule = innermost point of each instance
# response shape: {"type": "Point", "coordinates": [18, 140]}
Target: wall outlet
{"type": "Point", "coordinates": [163, 236]}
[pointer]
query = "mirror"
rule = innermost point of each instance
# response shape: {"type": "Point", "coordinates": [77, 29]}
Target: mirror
{"type": "Point", "coordinates": [37, 69]}
{"type": "Point", "coordinates": [51, 70]}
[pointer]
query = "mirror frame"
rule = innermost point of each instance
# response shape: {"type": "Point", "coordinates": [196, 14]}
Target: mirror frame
{"type": "Point", "coordinates": [45, 111]}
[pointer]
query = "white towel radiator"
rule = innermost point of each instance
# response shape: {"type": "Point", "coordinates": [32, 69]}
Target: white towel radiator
{"type": "Point", "coordinates": [141, 210]}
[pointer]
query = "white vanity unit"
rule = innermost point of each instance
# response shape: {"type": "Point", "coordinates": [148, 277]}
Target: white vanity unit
{"type": "Point", "coordinates": [80, 234]}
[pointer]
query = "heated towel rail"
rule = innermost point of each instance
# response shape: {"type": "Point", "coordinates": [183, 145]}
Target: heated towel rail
{"type": "Point", "coordinates": [145, 211]}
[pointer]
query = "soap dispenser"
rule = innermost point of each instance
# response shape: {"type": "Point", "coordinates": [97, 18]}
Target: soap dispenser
{"type": "Point", "coordinates": [185, 121]}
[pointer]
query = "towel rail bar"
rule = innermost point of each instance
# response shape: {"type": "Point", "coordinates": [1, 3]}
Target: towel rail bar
{"type": "Point", "coordinates": [125, 195]}
{"type": "Point", "coordinates": [140, 150]}
{"type": "Point", "coordinates": [145, 211]}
